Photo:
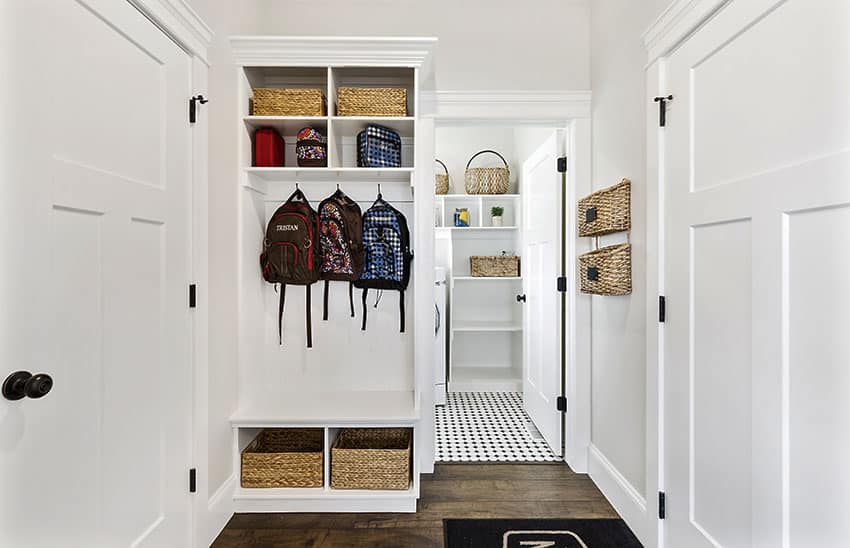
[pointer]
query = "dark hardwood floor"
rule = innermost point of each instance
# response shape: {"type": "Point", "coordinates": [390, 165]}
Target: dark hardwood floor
{"type": "Point", "coordinates": [453, 491]}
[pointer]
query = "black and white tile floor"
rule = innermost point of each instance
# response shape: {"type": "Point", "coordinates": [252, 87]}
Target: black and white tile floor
{"type": "Point", "coordinates": [488, 427]}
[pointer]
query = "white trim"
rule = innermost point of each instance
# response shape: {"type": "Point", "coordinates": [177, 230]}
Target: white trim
{"type": "Point", "coordinates": [520, 106]}
{"type": "Point", "coordinates": [180, 22]}
{"type": "Point", "coordinates": [220, 508]}
{"type": "Point", "coordinates": [622, 495]}
{"type": "Point", "coordinates": [676, 23]}
{"type": "Point", "coordinates": [320, 51]}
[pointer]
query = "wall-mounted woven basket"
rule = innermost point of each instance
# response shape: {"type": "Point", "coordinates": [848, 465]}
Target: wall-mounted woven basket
{"type": "Point", "coordinates": [286, 457]}
{"type": "Point", "coordinates": [441, 180]}
{"type": "Point", "coordinates": [606, 211]}
{"type": "Point", "coordinates": [504, 266]}
{"type": "Point", "coordinates": [486, 180]}
{"type": "Point", "coordinates": [289, 102]}
{"type": "Point", "coordinates": [371, 458]}
{"type": "Point", "coordinates": [371, 102]}
{"type": "Point", "coordinates": [607, 270]}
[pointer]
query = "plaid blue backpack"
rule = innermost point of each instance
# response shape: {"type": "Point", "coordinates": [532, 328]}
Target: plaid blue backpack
{"type": "Point", "coordinates": [386, 252]}
{"type": "Point", "coordinates": [378, 146]}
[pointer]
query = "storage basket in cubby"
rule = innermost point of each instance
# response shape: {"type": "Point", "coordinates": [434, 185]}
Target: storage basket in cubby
{"type": "Point", "coordinates": [503, 266]}
{"type": "Point", "coordinates": [486, 180]}
{"type": "Point", "coordinates": [607, 270]}
{"type": "Point", "coordinates": [372, 458]}
{"type": "Point", "coordinates": [441, 180]}
{"type": "Point", "coordinates": [606, 211]}
{"type": "Point", "coordinates": [289, 102]}
{"type": "Point", "coordinates": [284, 457]}
{"type": "Point", "coordinates": [371, 102]}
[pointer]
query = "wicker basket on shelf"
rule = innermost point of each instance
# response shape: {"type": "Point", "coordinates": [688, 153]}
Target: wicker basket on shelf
{"type": "Point", "coordinates": [607, 271]}
{"type": "Point", "coordinates": [371, 102]}
{"type": "Point", "coordinates": [371, 458]}
{"type": "Point", "coordinates": [289, 102]}
{"type": "Point", "coordinates": [441, 183]}
{"type": "Point", "coordinates": [606, 211]}
{"type": "Point", "coordinates": [486, 180]}
{"type": "Point", "coordinates": [285, 457]}
{"type": "Point", "coordinates": [504, 266]}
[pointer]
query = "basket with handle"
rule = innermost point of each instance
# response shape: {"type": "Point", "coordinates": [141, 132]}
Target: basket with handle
{"type": "Point", "coordinates": [441, 182]}
{"type": "Point", "coordinates": [486, 180]}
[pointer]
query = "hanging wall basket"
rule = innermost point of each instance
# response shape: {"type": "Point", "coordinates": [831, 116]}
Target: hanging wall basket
{"type": "Point", "coordinates": [607, 271]}
{"type": "Point", "coordinates": [486, 180]}
{"type": "Point", "coordinates": [606, 211]}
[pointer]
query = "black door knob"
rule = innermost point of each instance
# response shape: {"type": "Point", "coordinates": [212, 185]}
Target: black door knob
{"type": "Point", "coordinates": [23, 384]}
{"type": "Point", "coordinates": [520, 298]}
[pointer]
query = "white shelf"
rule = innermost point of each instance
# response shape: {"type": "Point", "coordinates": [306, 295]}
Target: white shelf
{"type": "Point", "coordinates": [366, 408]}
{"type": "Point", "coordinates": [332, 174]}
{"type": "Point", "coordinates": [485, 326]}
{"type": "Point", "coordinates": [476, 196]}
{"type": "Point", "coordinates": [484, 379]}
{"type": "Point", "coordinates": [323, 500]}
{"type": "Point", "coordinates": [286, 125]}
{"type": "Point", "coordinates": [478, 228]}
{"type": "Point", "coordinates": [352, 125]}
{"type": "Point", "coordinates": [486, 278]}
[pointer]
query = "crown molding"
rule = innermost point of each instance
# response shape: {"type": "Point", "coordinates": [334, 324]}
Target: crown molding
{"type": "Point", "coordinates": [333, 51]}
{"type": "Point", "coordinates": [179, 21]}
{"type": "Point", "coordinates": [517, 105]}
{"type": "Point", "coordinates": [677, 22]}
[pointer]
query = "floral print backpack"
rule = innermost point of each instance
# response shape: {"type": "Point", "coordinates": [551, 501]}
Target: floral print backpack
{"type": "Point", "coordinates": [341, 238]}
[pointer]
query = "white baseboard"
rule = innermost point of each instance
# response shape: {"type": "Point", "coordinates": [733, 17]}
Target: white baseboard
{"type": "Point", "coordinates": [220, 509]}
{"type": "Point", "coordinates": [622, 495]}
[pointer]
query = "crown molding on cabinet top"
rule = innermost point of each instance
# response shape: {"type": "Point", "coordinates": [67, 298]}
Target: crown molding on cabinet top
{"type": "Point", "coordinates": [179, 21]}
{"type": "Point", "coordinates": [517, 105]}
{"type": "Point", "coordinates": [332, 50]}
{"type": "Point", "coordinates": [677, 22]}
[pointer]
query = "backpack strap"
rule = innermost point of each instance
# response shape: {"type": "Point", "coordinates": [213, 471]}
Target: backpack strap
{"type": "Point", "coordinates": [351, 297]}
{"type": "Point", "coordinates": [401, 310]}
{"type": "Point", "coordinates": [309, 318]}
{"type": "Point", "coordinates": [365, 292]}
{"type": "Point", "coordinates": [280, 314]}
{"type": "Point", "coordinates": [325, 309]}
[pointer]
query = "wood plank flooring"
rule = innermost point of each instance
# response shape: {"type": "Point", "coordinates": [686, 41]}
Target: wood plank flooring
{"type": "Point", "coordinates": [453, 491]}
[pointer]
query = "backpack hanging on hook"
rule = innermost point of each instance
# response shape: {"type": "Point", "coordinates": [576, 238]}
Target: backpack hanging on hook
{"type": "Point", "coordinates": [341, 238]}
{"type": "Point", "coordinates": [386, 253]}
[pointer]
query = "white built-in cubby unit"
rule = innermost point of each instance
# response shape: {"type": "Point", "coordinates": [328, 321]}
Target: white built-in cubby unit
{"type": "Point", "coordinates": [350, 378]}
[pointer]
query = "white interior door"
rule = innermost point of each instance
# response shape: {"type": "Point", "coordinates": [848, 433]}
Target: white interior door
{"type": "Point", "coordinates": [95, 220]}
{"type": "Point", "coordinates": [757, 353]}
{"type": "Point", "coordinates": [541, 266]}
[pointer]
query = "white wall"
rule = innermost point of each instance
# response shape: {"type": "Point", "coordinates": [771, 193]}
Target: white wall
{"type": "Point", "coordinates": [483, 44]}
{"type": "Point", "coordinates": [618, 430]}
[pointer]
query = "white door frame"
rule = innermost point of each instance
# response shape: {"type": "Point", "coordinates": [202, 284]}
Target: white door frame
{"type": "Point", "coordinates": [569, 110]}
{"type": "Point", "coordinates": [178, 21]}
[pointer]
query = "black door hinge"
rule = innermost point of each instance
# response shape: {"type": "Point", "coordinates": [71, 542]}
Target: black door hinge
{"type": "Point", "coordinates": [562, 164]}
{"type": "Point", "coordinates": [561, 404]}
{"type": "Point", "coordinates": [662, 109]}
{"type": "Point", "coordinates": [193, 480]}
{"type": "Point", "coordinates": [193, 107]}
{"type": "Point", "coordinates": [192, 296]}
{"type": "Point", "coordinates": [662, 309]}
{"type": "Point", "coordinates": [562, 284]}
{"type": "Point", "coordinates": [662, 505]}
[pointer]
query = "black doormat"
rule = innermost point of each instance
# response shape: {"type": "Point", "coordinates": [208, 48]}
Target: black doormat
{"type": "Point", "coordinates": [551, 533]}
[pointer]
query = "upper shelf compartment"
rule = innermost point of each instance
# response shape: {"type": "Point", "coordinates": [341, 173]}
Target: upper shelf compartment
{"type": "Point", "coordinates": [372, 77]}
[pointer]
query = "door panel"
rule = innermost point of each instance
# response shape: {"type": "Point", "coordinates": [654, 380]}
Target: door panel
{"type": "Point", "coordinates": [541, 265]}
{"type": "Point", "coordinates": [757, 197]}
{"type": "Point", "coordinates": [98, 242]}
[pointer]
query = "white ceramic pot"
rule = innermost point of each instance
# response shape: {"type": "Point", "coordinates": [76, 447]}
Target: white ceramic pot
{"type": "Point", "coordinates": [497, 221]}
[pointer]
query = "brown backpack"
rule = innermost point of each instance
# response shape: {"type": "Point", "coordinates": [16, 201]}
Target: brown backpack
{"type": "Point", "coordinates": [340, 221]}
{"type": "Point", "coordinates": [291, 253]}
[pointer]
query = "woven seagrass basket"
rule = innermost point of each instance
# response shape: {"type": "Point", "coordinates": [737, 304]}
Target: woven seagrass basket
{"type": "Point", "coordinates": [607, 270]}
{"type": "Point", "coordinates": [606, 211]}
{"type": "Point", "coordinates": [486, 180]}
{"type": "Point", "coordinates": [504, 266]}
{"type": "Point", "coordinates": [371, 458]}
{"type": "Point", "coordinates": [287, 457]}
{"type": "Point", "coordinates": [441, 182]}
{"type": "Point", "coordinates": [371, 102]}
{"type": "Point", "coordinates": [289, 102]}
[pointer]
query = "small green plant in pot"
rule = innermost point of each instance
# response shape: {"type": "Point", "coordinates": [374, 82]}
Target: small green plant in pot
{"type": "Point", "coordinates": [496, 215]}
